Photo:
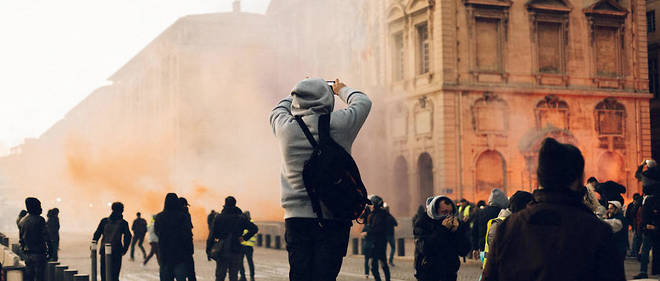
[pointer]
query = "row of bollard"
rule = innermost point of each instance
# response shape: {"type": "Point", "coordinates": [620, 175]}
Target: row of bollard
{"type": "Point", "coordinates": [267, 241]}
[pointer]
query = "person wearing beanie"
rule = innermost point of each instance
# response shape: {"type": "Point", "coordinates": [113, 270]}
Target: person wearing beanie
{"type": "Point", "coordinates": [174, 231]}
{"type": "Point", "coordinates": [616, 220]}
{"type": "Point", "coordinates": [557, 237]}
{"type": "Point", "coordinates": [229, 229]}
{"type": "Point", "coordinates": [34, 240]}
{"type": "Point", "coordinates": [496, 202]}
{"type": "Point", "coordinates": [518, 202]}
{"type": "Point", "coordinates": [440, 239]}
{"type": "Point", "coordinates": [115, 232]}
{"type": "Point", "coordinates": [310, 99]}
{"type": "Point", "coordinates": [376, 231]}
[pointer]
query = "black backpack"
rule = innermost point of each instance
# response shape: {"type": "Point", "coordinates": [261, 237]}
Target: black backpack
{"type": "Point", "coordinates": [331, 177]}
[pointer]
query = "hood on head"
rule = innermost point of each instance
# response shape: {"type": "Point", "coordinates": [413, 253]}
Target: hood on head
{"type": "Point", "coordinates": [616, 204]}
{"type": "Point", "coordinates": [431, 209]}
{"type": "Point", "coordinates": [172, 202]}
{"type": "Point", "coordinates": [312, 96]}
{"type": "Point", "coordinates": [498, 198]}
{"type": "Point", "coordinates": [504, 213]}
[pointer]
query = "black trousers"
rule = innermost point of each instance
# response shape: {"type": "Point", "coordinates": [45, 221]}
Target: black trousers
{"type": "Point", "coordinates": [55, 248]}
{"type": "Point", "coordinates": [315, 253]}
{"type": "Point", "coordinates": [248, 253]}
{"type": "Point", "coordinates": [139, 239]}
{"type": "Point", "coordinates": [228, 265]}
{"type": "Point", "coordinates": [35, 267]}
{"type": "Point", "coordinates": [116, 265]}
{"type": "Point", "coordinates": [379, 255]}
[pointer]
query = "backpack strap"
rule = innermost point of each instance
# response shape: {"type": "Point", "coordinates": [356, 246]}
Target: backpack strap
{"type": "Point", "coordinates": [306, 131]}
{"type": "Point", "coordinates": [324, 128]}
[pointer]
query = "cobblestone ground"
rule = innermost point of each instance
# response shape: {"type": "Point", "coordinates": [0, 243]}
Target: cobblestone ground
{"type": "Point", "coordinates": [270, 265]}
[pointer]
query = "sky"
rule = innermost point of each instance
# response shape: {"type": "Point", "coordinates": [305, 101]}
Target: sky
{"type": "Point", "coordinates": [54, 53]}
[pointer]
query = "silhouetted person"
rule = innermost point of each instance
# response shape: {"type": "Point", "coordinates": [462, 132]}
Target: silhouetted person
{"type": "Point", "coordinates": [391, 225]}
{"type": "Point", "coordinates": [376, 230]}
{"type": "Point", "coordinates": [248, 251]}
{"type": "Point", "coordinates": [115, 232]}
{"type": "Point", "coordinates": [34, 240]}
{"type": "Point", "coordinates": [210, 218]}
{"type": "Point", "coordinates": [190, 262]}
{"type": "Point", "coordinates": [153, 242]}
{"type": "Point", "coordinates": [633, 216]}
{"type": "Point", "coordinates": [228, 226]}
{"type": "Point", "coordinates": [53, 225]}
{"type": "Point", "coordinates": [440, 239]}
{"type": "Point", "coordinates": [174, 232]}
{"type": "Point", "coordinates": [315, 253]}
{"type": "Point", "coordinates": [650, 219]}
{"type": "Point", "coordinates": [558, 237]}
{"type": "Point", "coordinates": [21, 214]}
{"type": "Point", "coordinates": [139, 230]}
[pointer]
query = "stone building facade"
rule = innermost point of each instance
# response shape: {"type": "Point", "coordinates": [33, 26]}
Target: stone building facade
{"type": "Point", "coordinates": [653, 6]}
{"type": "Point", "coordinates": [474, 86]}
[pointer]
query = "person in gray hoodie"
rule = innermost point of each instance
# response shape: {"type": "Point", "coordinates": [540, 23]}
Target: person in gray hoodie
{"type": "Point", "coordinates": [315, 252]}
{"type": "Point", "coordinates": [496, 202]}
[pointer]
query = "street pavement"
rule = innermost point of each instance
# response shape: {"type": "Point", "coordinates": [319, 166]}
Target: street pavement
{"type": "Point", "coordinates": [270, 264]}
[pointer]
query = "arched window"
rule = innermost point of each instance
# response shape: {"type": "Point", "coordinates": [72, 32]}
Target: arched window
{"type": "Point", "coordinates": [490, 173]}
{"type": "Point", "coordinates": [425, 168]}
{"type": "Point", "coordinates": [401, 187]}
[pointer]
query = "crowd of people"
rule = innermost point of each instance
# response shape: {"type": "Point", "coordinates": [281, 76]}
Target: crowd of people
{"type": "Point", "coordinates": [169, 235]}
{"type": "Point", "coordinates": [566, 229]}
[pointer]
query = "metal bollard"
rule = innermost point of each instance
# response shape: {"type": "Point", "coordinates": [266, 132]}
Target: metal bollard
{"type": "Point", "coordinates": [93, 257]}
{"type": "Point", "coordinates": [267, 240]}
{"type": "Point", "coordinates": [400, 247]}
{"type": "Point", "coordinates": [69, 273]}
{"type": "Point", "coordinates": [81, 277]}
{"type": "Point", "coordinates": [50, 270]}
{"type": "Point", "coordinates": [108, 262]}
{"type": "Point", "coordinates": [59, 272]}
{"type": "Point", "coordinates": [354, 246]}
{"type": "Point", "coordinates": [278, 242]}
{"type": "Point", "coordinates": [260, 240]}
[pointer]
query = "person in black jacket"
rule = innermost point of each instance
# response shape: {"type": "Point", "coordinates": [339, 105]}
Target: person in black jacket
{"type": "Point", "coordinates": [228, 226]}
{"type": "Point", "coordinates": [376, 230]}
{"type": "Point", "coordinates": [650, 224]}
{"type": "Point", "coordinates": [190, 263]}
{"type": "Point", "coordinates": [496, 202]}
{"type": "Point", "coordinates": [112, 229]}
{"type": "Point", "coordinates": [440, 239]}
{"type": "Point", "coordinates": [174, 239]}
{"type": "Point", "coordinates": [34, 240]}
{"type": "Point", "coordinates": [391, 224]}
{"type": "Point", "coordinates": [631, 218]}
{"type": "Point", "coordinates": [53, 225]}
{"type": "Point", "coordinates": [139, 228]}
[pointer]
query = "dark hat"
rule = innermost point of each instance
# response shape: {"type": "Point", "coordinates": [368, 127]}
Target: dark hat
{"type": "Point", "coordinates": [230, 201]}
{"type": "Point", "coordinates": [559, 165]}
{"type": "Point", "coordinates": [376, 200]}
{"type": "Point", "coordinates": [33, 205]}
{"type": "Point", "coordinates": [519, 201]}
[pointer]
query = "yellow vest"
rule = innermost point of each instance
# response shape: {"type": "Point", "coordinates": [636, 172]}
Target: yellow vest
{"type": "Point", "coordinates": [490, 223]}
{"type": "Point", "coordinates": [253, 239]}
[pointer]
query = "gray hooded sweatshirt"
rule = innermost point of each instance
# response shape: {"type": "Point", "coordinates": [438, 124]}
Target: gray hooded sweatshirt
{"type": "Point", "coordinates": [498, 198]}
{"type": "Point", "coordinates": [432, 210]}
{"type": "Point", "coordinates": [310, 99]}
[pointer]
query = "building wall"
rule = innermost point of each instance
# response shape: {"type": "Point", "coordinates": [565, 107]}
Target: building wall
{"type": "Point", "coordinates": [491, 66]}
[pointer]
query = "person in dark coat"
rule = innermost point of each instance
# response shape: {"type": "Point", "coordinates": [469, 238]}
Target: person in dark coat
{"type": "Point", "coordinates": [34, 240]}
{"type": "Point", "coordinates": [615, 213]}
{"type": "Point", "coordinates": [174, 239]}
{"type": "Point", "coordinates": [229, 224]}
{"type": "Point", "coordinates": [496, 202]}
{"type": "Point", "coordinates": [190, 263]}
{"type": "Point", "coordinates": [632, 217]}
{"type": "Point", "coordinates": [650, 222]}
{"type": "Point", "coordinates": [21, 214]}
{"type": "Point", "coordinates": [391, 225]}
{"type": "Point", "coordinates": [376, 230]}
{"type": "Point", "coordinates": [139, 228]}
{"type": "Point", "coordinates": [113, 229]}
{"type": "Point", "coordinates": [210, 218]}
{"type": "Point", "coordinates": [53, 225]}
{"type": "Point", "coordinates": [367, 243]}
{"type": "Point", "coordinates": [558, 237]}
{"type": "Point", "coordinates": [440, 239]}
